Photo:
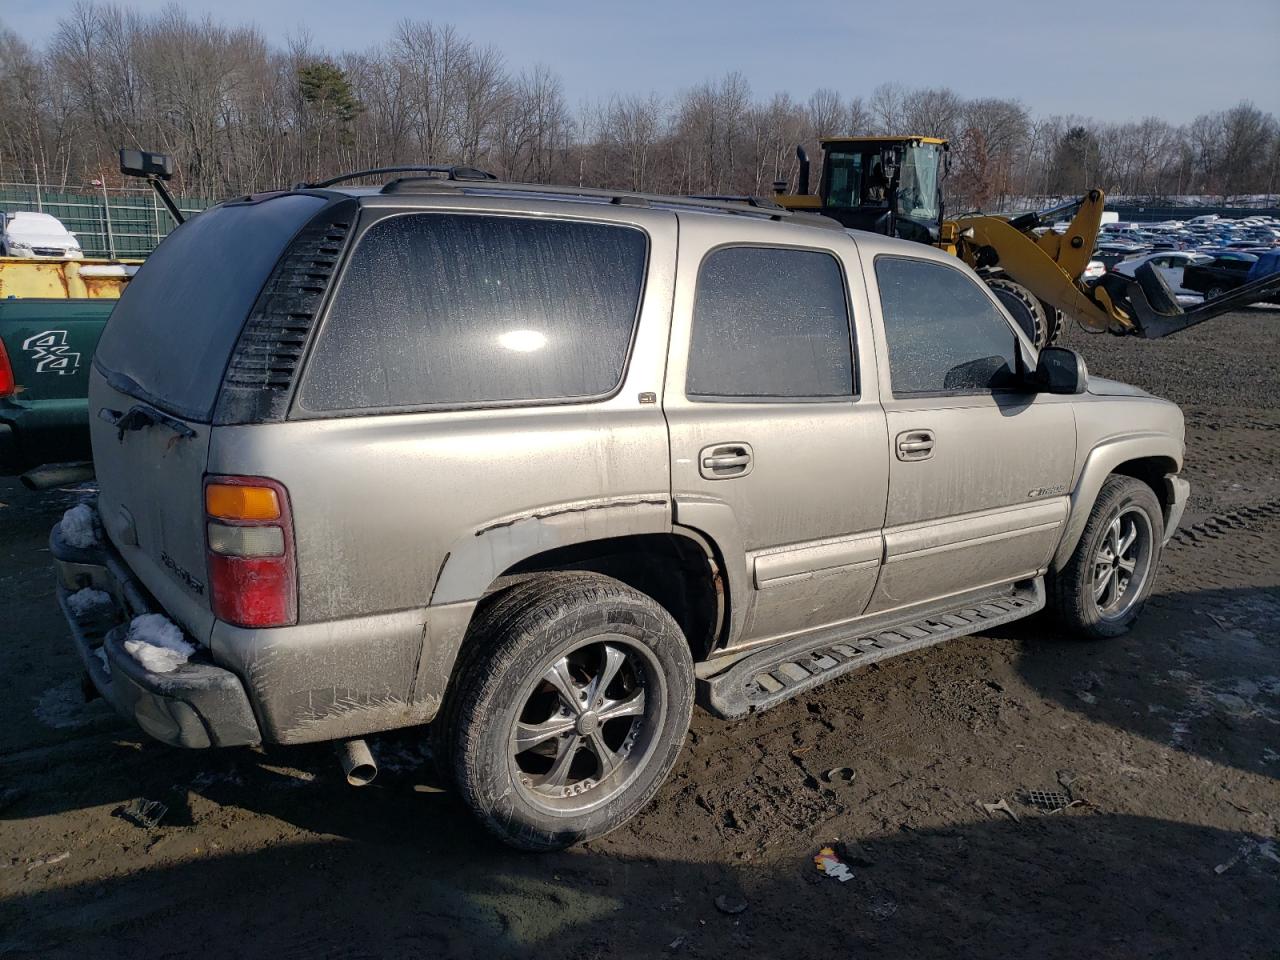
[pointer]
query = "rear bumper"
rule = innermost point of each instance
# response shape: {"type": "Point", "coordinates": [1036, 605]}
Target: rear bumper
{"type": "Point", "coordinates": [43, 431]}
{"type": "Point", "coordinates": [10, 455]}
{"type": "Point", "coordinates": [284, 685]}
{"type": "Point", "coordinates": [197, 705]}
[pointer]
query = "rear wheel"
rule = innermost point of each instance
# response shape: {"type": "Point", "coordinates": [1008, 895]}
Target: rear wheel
{"type": "Point", "coordinates": [571, 716]}
{"type": "Point", "coordinates": [1101, 590]}
{"type": "Point", "coordinates": [1025, 309]}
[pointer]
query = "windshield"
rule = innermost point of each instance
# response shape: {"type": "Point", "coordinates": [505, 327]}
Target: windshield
{"type": "Point", "coordinates": [918, 182]}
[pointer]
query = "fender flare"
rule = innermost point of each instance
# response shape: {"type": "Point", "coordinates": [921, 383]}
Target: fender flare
{"type": "Point", "coordinates": [476, 560]}
{"type": "Point", "coordinates": [716, 522]}
{"type": "Point", "coordinates": [1100, 464]}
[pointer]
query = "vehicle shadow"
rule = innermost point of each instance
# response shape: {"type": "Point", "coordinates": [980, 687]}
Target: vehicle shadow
{"type": "Point", "coordinates": [1074, 884]}
{"type": "Point", "coordinates": [1199, 672]}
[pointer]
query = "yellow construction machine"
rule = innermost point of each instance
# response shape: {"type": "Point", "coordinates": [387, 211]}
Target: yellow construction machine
{"type": "Point", "coordinates": [893, 186]}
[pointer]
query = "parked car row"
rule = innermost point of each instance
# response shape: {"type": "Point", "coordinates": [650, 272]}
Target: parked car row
{"type": "Point", "coordinates": [1221, 250]}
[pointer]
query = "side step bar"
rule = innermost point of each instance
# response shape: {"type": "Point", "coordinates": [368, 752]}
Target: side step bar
{"type": "Point", "coordinates": [774, 674]}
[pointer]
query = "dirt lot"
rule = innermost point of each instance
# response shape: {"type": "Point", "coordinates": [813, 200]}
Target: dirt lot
{"type": "Point", "coordinates": [1171, 736]}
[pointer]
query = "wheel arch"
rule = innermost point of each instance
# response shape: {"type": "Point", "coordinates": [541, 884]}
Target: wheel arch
{"type": "Point", "coordinates": [1151, 458]}
{"type": "Point", "coordinates": [680, 572]}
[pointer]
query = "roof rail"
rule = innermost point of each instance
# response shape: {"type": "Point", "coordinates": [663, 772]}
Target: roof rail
{"type": "Point", "coordinates": [450, 172]}
{"type": "Point", "coordinates": [749, 199]}
{"type": "Point", "coordinates": [755, 207]}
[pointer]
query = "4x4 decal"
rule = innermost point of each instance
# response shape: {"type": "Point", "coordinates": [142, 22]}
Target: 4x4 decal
{"type": "Point", "coordinates": [52, 353]}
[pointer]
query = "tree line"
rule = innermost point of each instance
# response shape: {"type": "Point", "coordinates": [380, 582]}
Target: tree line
{"type": "Point", "coordinates": [241, 115]}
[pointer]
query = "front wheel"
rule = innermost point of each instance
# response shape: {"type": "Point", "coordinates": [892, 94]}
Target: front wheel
{"type": "Point", "coordinates": [574, 711]}
{"type": "Point", "coordinates": [1103, 587]}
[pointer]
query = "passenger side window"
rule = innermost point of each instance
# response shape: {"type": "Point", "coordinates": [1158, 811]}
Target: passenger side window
{"type": "Point", "coordinates": [770, 323]}
{"type": "Point", "coordinates": [945, 335]}
{"type": "Point", "coordinates": [457, 309]}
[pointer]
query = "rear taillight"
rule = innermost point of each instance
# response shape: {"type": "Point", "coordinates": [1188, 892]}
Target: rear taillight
{"type": "Point", "coordinates": [249, 534]}
{"type": "Point", "coordinates": [7, 386]}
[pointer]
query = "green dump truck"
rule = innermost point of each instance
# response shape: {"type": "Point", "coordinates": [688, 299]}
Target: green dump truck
{"type": "Point", "coordinates": [51, 315]}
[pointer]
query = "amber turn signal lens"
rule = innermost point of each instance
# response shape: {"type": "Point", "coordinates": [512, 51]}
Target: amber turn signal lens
{"type": "Point", "coordinates": [229, 501]}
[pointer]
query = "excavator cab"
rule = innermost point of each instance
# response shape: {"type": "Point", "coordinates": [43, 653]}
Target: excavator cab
{"type": "Point", "coordinates": [887, 185]}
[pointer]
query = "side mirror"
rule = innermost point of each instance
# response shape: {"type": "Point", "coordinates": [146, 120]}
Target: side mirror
{"type": "Point", "coordinates": [1060, 370]}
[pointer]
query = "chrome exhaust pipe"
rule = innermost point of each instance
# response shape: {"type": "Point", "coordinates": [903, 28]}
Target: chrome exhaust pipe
{"type": "Point", "coordinates": [56, 475]}
{"type": "Point", "coordinates": [357, 762]}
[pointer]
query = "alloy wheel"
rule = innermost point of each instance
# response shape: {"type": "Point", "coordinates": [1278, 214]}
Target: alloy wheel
{"type": "Point", "coordinates": [587, 724]}
{"type": "Point", "coordinates": [1122, 563]}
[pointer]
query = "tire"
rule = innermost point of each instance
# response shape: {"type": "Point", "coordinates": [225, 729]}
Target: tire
{"type": "Point", "coordinates": [1053, 320]}
{"type": "Point", "coordinates": [1085, 601]}
{"type": "Point", "coordinates": [570, 709]}
{"type": "Point", "coordinates": [1026, 310]}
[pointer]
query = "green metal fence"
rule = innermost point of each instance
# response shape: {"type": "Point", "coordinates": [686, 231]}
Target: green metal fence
{"type": "Point", "coordinates": [109, 222]}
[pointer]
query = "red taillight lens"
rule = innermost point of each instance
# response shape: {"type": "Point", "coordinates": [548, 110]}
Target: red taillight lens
{"type": "Point", "coordinates": [253, 592]}
{"type": "Point", "coordinates": [252, 575]}
{"type": "Point", "coordinates": [7, 386]}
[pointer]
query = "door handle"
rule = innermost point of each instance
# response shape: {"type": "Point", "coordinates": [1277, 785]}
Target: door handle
{"type": "Point", "coordinates": [915, 445]}
{"type": "Point", "coordinates": [725, 460]}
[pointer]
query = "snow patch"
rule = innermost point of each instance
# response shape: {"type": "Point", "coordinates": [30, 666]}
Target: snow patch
{"type": "Point", "coordinates": [87, 600]}
{"type": "Point", "coordinates": [62, 707]}
{"type": "Point", "coordinates": [156, 643]}
{"type": "Point", "coordinates": [77, 527]}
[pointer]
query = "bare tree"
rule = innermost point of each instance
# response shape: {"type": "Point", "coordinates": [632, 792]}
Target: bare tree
{"type": "Point", "coordinates": [238, 114]}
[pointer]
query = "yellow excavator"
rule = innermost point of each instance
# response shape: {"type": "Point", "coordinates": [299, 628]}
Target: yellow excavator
{"type": "Point", "coordinates": [893, 186]}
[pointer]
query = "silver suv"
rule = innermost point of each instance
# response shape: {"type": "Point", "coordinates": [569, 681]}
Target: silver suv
{"type": "Point", "coordinates": [540, 466]}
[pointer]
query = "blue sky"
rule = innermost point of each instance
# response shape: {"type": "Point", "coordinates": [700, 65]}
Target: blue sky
{"type": "Point", "coordinates": [1119, 60]}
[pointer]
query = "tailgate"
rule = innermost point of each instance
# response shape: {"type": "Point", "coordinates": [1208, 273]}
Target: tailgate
{"type": "Point", "coordinates": [151, 482]}
{"type": "Point", "coordinates": [156, 378]}
{"type": "Point", "coordinates": [50, 343]}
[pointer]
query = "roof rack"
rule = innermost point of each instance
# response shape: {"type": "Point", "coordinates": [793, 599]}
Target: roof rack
{"type": "Point", "coordinates": [749, 199]}
{"type": "Point", "coordinates": [758, 208]}
{"type": "Point", "coordinates": [449, 172]}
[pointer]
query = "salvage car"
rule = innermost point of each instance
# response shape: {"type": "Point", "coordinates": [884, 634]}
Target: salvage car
{"type": "Point", "coordinates": [30, 234]}
{"type": "Point", "coordinates": [1170, 264]}
{"type": "Point", "coordinates": [1219, 274]}
{"type": "Point", "coordinates": [541, 466]}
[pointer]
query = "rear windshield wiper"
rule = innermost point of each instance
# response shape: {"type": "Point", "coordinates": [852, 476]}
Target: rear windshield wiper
{"type": "Point", "coordinates": [142, 415]}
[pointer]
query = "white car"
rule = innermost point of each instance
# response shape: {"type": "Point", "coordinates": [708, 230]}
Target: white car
{"type": "Point", "coordinates": [37, 235]}
{"type": "Point", "coordinates": [1093, 270]}
{"type": "Point", "coordinates": [1169, 264]}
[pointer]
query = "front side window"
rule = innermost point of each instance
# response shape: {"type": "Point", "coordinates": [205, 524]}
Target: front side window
{"type": "Point", "coordinates": [457, 309]}
{"type": "Point", "coordinates": [945, 334]}
{"type": "Point", "coordinates": [844, 186]}
{"type": "Point", "coordinates": [770, 323]}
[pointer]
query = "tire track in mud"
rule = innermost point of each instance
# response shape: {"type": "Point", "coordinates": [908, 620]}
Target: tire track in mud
{"type": "Point", "coordinates": [1217, 525]}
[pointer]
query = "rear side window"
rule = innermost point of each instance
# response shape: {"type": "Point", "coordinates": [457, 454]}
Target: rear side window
{"type": "Point", "coordinates": [945, 335]}
{"type": "Point", "coordinates": [770, 323]}
{"type": "Point", "coordinates": [459, 309]}
{"type": "Point", "coordinates": [170, 336]}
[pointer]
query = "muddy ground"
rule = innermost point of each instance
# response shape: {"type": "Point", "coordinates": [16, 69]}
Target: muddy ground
{"type": "Point", "coordinates": [1170, 735]}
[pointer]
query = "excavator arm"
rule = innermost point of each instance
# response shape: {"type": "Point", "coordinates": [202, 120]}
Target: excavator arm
{"type": "Point", "coordinates": [1050, 266]}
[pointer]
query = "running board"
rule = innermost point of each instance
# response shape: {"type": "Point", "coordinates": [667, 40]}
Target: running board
{"type": "Point", "coordinates": [767, 678]}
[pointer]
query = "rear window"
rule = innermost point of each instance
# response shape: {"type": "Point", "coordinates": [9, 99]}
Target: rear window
{"type": "Point", "coordinates": [457, 309]}
{"type": "Point", "coordinates": [169, 338]}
